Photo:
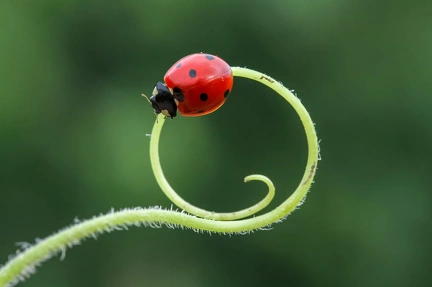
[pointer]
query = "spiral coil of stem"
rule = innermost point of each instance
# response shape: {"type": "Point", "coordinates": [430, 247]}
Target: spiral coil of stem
{"type": "Point", "coordinates": [24, 263]}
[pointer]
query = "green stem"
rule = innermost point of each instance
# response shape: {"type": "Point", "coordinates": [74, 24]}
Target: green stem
{"type": "Point", "coordinates": [25, 262]}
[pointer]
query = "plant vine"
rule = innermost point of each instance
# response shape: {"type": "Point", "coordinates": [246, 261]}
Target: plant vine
{"type": "Point", "coordinates": [24, 263]}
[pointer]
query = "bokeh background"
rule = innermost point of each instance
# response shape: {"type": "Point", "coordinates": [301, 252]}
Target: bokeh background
{"type": "Point", "coordinates": [73, 139]}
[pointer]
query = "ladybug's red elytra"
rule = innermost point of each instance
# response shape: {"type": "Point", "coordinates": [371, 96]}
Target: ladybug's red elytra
{"type": "Point", "coordinates": [196, 85]}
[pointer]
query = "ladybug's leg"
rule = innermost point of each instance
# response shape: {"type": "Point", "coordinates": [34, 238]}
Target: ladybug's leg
{"type": "Point", "coordinates": [178, 94]}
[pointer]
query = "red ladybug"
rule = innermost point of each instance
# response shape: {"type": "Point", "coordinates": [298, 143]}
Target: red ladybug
{"type": "Point", "coordinates": [196, 85]}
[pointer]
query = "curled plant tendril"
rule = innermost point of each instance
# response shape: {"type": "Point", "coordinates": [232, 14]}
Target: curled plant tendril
{"type": "Point", "coordinates": [186, 206]}
{"type": "Point", "coordinates": [24, 262]}
{"type": "Point", "coordinates": [270, 217]}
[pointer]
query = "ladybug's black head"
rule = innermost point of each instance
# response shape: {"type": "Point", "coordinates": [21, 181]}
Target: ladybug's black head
{"type": "Point", "coordinates": [162, 101]}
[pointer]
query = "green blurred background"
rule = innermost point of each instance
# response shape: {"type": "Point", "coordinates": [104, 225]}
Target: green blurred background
{"type": "Point", "coordinates": [73, 139]}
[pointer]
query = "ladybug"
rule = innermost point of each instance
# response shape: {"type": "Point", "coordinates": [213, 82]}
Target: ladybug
{"type": "Point", "coordinates": [195, 85]}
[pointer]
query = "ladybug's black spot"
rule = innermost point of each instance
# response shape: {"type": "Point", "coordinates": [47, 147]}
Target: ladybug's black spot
{"type": "Point", "coordinates": [178, 65]}
{"type": "Point", "coordinates": [200, 111]}
{"type": "Point", "coordinates": [209, 57]}
{"type": "Point", "coordinates": [226, 93]}
{"type": "Point", "coordinates": [203, 97]}
{"type": "Point", "coordinates": [192, 73]}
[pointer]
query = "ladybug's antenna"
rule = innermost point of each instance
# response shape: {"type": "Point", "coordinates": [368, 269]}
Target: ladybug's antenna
{"type": "Point", "coordinates": [146, 98]}
{"type": "Point", "coordinates": [150, 104]}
